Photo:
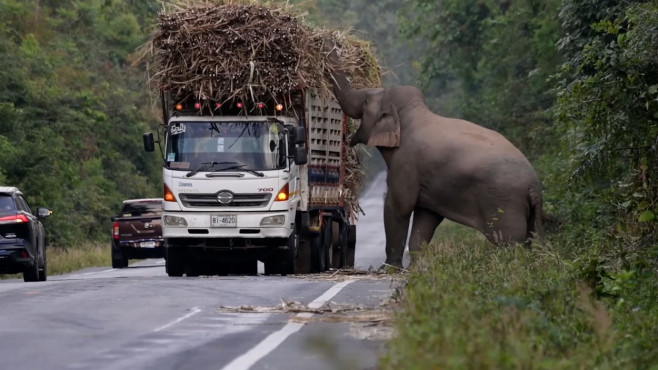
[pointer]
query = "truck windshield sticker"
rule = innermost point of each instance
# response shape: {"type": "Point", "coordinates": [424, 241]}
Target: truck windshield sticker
{"type": "Point", "coordinates": [180, 165]}
{"type": "Point", "coordinates": [220, 145]}
{"type": "Point", "coordinates": [274, 129]}
{"type": "Point", "coordinates": [178, 128]}
{"type": "Point", "coordinates": [171, 157]}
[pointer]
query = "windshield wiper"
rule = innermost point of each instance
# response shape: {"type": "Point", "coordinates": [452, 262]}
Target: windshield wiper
{"type": "Point", "coordinates": [206, 166]}
{"type": "Point", "coordinates": [240, 167]}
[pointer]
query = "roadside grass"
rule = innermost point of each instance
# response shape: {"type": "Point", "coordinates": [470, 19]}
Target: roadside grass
{"type": "Point", "coordinates": [469, 304]}
{"type": "Point", "coordinates": [65, 260]}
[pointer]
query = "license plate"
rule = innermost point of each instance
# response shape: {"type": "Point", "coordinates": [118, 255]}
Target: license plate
{"type": "Point", "coordinates": [147, 244]}
{"type": "Point", "coordinates": [223, 221]}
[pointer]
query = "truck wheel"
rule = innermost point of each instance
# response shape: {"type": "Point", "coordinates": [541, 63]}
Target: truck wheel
{"type": "Point", "coordinates": [119, 259]}
{"type": "Point", "coordinates": [192, 268]}
{"type": "Point", "coordinates": [338, 245]}
{"type": "Point", "coordinates": [327, 244]}
{"type": "Point", "coordinates": [304, 256]}
{"type": "Point", "coordinates": [289, 256]}
{"type": "Point", "coordinates": [318, 255]}
{"type": "Point", "coordinates": [248, 267]}
{"type": "Point", "coordinates": [351, 246]}
{"type": "Point", "coordinates": [175, 262]}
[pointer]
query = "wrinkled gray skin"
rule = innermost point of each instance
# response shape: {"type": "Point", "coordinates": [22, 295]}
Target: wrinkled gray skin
{"type": "Point", "coordinates": [440, 168]}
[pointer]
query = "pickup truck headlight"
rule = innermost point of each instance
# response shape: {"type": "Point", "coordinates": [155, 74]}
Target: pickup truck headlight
{"type": "Point", "coordinates": [278, 220]}
{"type": "Point", "coordinates": [174, 221]}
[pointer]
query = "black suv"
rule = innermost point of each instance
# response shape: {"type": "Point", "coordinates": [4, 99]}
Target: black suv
{"type": "Point", "coordinates": [22, 238]}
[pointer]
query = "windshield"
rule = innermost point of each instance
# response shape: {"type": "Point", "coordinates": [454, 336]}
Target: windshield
{"type": "Point", "coordinates": [141, 209]}
{"type": "Point", "coordinates": [254, 145]}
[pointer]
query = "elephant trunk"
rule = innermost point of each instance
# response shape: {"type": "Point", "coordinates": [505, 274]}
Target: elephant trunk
{"type": "Point", "coordinates": [351, 101]}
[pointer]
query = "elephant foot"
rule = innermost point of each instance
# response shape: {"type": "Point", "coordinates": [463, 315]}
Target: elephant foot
{"type": "Point", "coordinates": [388, 268]}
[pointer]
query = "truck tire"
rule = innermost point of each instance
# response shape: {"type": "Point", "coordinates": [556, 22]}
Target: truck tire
{"type": "Point", "coordinates": [351, 246]}
{"type": "Point", "coordinates": [284, 261]}
{"type": "Point", "coordinates": [119, 259]}
{"type": "Point", "coordinates": [289, 256]}
{"type": "Point", "coordinates": [321, 246]}
{"type": "Point", "coordinates": [247, 267]}
{"type": "Point", "coordinates": [192, 267]}
{"type": "Point", "coordinates": [304, 256]}
{"type": "Point", "coordinates": [338, 244]}
{"type": "Point", "coordinates": [175, 262]}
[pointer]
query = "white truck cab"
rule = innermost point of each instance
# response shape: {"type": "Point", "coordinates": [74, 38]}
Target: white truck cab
{"type": "Point", "coordinates": [237, 189]}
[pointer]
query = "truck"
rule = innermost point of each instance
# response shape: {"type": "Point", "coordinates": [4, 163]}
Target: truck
{"type": "Point", "coordinates": [137, 231]}
{"type": "Point", "coordinates": [249, 181]}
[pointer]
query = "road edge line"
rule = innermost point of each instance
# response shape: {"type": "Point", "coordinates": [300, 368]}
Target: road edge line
{"type": "Point", "coordinates": [272, 341]}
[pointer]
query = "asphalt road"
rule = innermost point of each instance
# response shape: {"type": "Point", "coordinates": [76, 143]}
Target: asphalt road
{"type": "Point", "coordinates": [139, 318]}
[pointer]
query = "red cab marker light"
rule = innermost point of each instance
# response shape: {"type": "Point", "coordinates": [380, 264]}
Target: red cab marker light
{"type": "Point", "coordinates": [239, 105]}
{"type": "Point", "coordinates": [279, 107]}
{"type": "Point", "coordinates": [197, 105]}
{"type": "Point", "coordinates": [261, 105]}
{"type": "Point", "coordinates": [218, 105]}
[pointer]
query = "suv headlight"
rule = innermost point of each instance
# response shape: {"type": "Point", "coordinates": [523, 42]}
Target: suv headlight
{"type": "Point", "coordinates": [174, 221]}
{"type": "Point", "coordinates": [278, 220]}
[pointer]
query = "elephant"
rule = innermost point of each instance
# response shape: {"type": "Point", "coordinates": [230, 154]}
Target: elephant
{"type": "Point", "coordinates": [440, 168]}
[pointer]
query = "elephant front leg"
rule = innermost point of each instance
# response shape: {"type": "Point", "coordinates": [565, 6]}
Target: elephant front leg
{"type": "Point", "coordinates": [396, 226]}
{"type": "Point", "coordinates": [423, 227]}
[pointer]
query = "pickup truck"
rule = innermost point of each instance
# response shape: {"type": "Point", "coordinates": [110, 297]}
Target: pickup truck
{"type": "Point", "coordinates": [137, 231]}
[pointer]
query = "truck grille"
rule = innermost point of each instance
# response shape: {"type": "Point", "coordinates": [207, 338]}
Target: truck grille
{"type": "Point", "coordinates": [238, 200]}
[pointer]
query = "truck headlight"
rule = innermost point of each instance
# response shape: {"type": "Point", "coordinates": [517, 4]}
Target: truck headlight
{"type": "Point", "coordinates": [278, 220]}
{"type": "Point", "coordinates": [174, 221]}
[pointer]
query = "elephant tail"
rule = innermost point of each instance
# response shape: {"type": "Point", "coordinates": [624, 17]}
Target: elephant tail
{"type": "Point", "coordinates": [535, 226]}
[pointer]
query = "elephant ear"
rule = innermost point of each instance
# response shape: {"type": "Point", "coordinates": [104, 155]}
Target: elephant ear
{"type": "Point", "coordinates": [386, 132]}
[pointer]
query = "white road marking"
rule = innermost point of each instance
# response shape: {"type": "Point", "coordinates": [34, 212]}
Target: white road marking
{"type": "Point", "coordinates": [269, 344]}
{"type": "Point", "coordinates": [195, 310]}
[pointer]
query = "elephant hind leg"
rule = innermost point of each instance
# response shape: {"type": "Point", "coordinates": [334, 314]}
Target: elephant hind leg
{"type": "Point", "coordinates": [424, 224]}
{"type": "Point", "coordinates": [507, 228]}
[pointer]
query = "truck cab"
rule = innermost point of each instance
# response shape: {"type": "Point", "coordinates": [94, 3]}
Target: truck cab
{"type": "Point", "coordinates": [237, 190]}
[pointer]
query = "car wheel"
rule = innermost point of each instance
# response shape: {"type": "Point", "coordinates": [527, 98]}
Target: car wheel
{"type": "Point", "coordinates": [43, 270]}
{"type": "Point", "coordinates": [31, 273]}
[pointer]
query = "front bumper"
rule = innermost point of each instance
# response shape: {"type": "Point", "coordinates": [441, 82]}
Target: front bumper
{"type": "Point", "coordinates": [248, 226]}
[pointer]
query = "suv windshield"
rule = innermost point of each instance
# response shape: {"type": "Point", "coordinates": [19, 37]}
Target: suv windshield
{"type": "Point", "coordinates": [256, 145]}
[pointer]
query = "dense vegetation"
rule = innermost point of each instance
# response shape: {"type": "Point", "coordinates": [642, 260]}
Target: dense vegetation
{"type": "Point", "coordinates": [574, 83]}
{"type": "Point", "coordinates": [73, 111]}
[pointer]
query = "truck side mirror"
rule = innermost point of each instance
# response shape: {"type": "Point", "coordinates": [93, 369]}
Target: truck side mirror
{"type": "Point", "coordinates": [301, 157]}
{"type": "Point", "coordinates": [300, 135]}
{"type": "Point", "coordinates": [149, 142]}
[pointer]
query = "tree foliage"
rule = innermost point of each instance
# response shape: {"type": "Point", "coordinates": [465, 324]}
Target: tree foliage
{"type": "Point", "coordinates": [488, 61]}
{"type": "Point", "coordinates": [73, 112]}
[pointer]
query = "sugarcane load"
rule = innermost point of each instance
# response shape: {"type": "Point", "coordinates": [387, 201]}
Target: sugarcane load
{"type": "Point", "coordinates": [256, 158]}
